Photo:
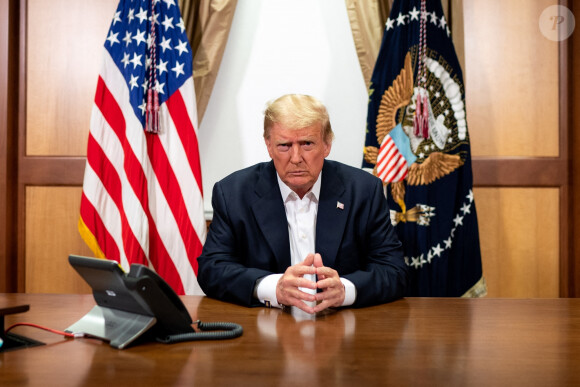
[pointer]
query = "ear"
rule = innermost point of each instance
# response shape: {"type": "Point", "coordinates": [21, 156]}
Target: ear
{"type": "Point", "coordinates": [327, 147]}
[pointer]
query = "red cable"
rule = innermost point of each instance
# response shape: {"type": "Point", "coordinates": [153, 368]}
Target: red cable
{"type": "Point", "coordinates": [65, 334]}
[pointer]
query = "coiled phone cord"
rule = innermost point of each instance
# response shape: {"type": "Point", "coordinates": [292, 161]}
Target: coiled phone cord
{"type": "Point", "coordinates": [211, 331]}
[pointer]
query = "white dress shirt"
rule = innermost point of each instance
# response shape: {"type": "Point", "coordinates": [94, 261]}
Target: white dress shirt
{"type": "Point", "coordinates": [301, 216]}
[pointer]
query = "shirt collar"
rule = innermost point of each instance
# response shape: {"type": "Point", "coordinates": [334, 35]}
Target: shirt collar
{"type": "Point", "coordinates": [287, 191]}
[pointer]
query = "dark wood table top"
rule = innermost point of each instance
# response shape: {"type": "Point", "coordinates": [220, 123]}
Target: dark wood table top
{"type": "Point", "coordinates": [413, 341]}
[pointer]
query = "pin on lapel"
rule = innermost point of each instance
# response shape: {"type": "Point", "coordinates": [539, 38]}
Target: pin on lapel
{"type": "Point", "coordinates": [340, 205]}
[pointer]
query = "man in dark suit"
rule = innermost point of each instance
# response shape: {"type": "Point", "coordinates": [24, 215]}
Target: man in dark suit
{"type": "Point", "coordinates": [301, 230]}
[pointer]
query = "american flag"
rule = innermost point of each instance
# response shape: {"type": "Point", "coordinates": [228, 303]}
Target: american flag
{"type": "Point", "coordinates": [391, 165]}
{"type": "Point", "coordinates": [142, 192]}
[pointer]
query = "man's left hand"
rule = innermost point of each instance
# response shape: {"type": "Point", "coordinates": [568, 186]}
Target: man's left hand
{"type": "Point", "coordinates": [332, 290]}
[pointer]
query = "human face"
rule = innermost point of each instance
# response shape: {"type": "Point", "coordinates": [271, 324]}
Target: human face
{"type": "Point", "coordinates": [298, 155]}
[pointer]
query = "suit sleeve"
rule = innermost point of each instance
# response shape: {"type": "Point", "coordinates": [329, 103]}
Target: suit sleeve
{"type": "Point", "coordinates": [383, 276]}
{"type": "Point", "coordinates": [222, 273]}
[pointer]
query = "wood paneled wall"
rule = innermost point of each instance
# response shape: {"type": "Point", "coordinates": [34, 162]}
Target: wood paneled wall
{"type": "Point", "coordinates": [513, 84]}
{"type": "Point", "coordinates": [64, 43]}
{"type": "Point", "coordinates": [517, 111]}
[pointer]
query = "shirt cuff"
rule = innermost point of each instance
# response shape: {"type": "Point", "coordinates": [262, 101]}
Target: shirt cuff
{"type": "Point", "coordinates": [266, 290]}
{"type": "Point", "coordinates": [349, 292]}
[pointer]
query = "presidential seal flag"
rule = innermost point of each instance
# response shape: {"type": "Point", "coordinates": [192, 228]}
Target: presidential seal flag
{"type": "Point", "coordinates": [142, 191]}
{"type": "Point", "coordinates": [417, 143]}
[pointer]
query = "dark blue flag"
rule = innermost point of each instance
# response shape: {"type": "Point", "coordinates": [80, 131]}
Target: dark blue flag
{"type": "Point", "coordinates": [417, 143]}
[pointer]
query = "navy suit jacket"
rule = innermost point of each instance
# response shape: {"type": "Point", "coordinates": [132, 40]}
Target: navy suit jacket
{"type": "Point", "coordinates": [248, 236]}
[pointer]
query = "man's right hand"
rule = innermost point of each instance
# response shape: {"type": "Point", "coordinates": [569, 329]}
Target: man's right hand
{"type": "Point", "coordinates": [287, 292]}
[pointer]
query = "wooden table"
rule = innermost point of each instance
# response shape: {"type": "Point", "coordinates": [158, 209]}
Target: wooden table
{"type": "Point", "coordinates": [413, 341]}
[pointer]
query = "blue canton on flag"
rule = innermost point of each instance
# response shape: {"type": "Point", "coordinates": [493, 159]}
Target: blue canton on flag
{"type": "Point", "coordinates": [417, 108]}
{"type": "Point", "coordinates": [129, 41]}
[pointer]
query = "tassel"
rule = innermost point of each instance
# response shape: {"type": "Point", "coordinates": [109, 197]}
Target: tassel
{"type": "Point", "coordinates": [425, 117]}
{"type": "Point", "coordinates": [421, 119]}
{"type": "Point", "coordinates": [152, 123]}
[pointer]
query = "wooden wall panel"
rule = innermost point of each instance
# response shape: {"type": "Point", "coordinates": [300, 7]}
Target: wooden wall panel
{"type": "Point", "coordinates": [52, 214]}
{"type": "Point", "coordinates": [64, 51]}
{"type": "Point", "coordinates": [519, 233]}
{"type": "Point", "coordinates": [511, 73]}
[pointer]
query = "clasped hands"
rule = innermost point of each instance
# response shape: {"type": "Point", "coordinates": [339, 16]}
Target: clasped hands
{"type": "Point", "coordinates": [332, 290]}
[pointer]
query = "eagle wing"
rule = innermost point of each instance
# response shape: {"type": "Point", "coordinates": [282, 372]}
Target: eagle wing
{"type": "Point", "coordinates": [434, 167]}
{"type": "Point", "coordinates": [395, 97]}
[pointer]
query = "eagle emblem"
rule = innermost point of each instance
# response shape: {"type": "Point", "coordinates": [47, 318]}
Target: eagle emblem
{"type": "Point", "coordinates": [425, 152]}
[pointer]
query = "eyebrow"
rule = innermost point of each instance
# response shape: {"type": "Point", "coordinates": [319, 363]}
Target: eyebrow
{"type": "Point", "coordinates": [301, 140]}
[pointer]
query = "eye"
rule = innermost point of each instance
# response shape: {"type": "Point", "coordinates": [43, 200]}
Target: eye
{"type": "Point", "coordinates": [283, 147]}
{"type": "Point", "coordinates": [307, 144]}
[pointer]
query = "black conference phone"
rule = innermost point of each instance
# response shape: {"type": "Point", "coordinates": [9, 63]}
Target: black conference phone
{"type": "Point", "coordinates": [138, 305]}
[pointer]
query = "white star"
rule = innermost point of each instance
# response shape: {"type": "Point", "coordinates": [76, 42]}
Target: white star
{"type": "Point", "coordinates": [154, 18]}
{"type": "Point", "coordinates": [145, 85]}
{"type": "Point", "coordinates": [414, 14]}
{"type": "Point", "coordinates": [133, 82]}
{"type": "Point", "coordinates": [390, 23]}
{"type": "Point", "coordinates": [434, 18]}
{"type": "Point", "coordinates": [443, 22]}
{"type": "Point", "coordinates": [181, 47]}
{"type": "Point", "coordinates": [178, 69]}
{"type": "Point", "coordinates": [116, 18]}
{"type": "Point", "coordinates": [437, 250]}
{"type": "Point", "coordinates": [125, 59]}
{"type": "Point", "coordinates": [113, 38]}
{"type": "Point", "coordinates": [147, 62]}
{"type": "Point", "coordinates": [139, 37]}
{"type": "Point", "coordinates": [416, 263]}
{"type": "Point", "coordinates": [159, 87]}
{"type": "Point", "coordinates": [131, 15]}
{"type": "Point", "coordinates": [142, 107]}
{"type": "Point", "coordinates": [169, 3]}
{"type": "Point", "coordinates": [181, 25]}
{"type": "Point", "coordinates": [401, 19]}
{"type": "Point", "coordinates": [142, 15]}
{"type": "Point", "coordinates": [447, 243]}
{"type": "Point", "coordinates": [149, 40]}
{"type": "Point", "coordinates": [136, 60]}
{"type": "Point", "coordinates": [429, 256]}
{"type": "Point", "coordinates": [127, 38]}
{"type": "Point", "coordinates": [466, 209]}
{"type": "Point", "coordinates": [165, 43]}
{"type": "Point", "coordinates": [458, 220]}
{"type": "Point", "coordinates": [470, 195]}
{"type": "Point", "coordinates": [168, 23]}
{"type": "Point", "coordinates": [162, 66]}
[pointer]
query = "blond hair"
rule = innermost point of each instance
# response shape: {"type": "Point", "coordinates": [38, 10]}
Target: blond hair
{"type": "Point", "coordinates": [297, 111]}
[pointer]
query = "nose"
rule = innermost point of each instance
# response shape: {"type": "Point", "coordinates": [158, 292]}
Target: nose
{"type": "Point", "coordinates": [296, 154]}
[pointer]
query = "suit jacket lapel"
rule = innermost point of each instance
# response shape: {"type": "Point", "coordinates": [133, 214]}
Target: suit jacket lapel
{"type": "Point", "coordinates": [271, 216]}
{"type": "Point", "coordinates": [331, 218]}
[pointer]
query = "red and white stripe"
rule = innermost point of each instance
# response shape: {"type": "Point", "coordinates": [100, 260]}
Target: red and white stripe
{"type": "Point", "coordinates": [142, 196]}
{"type": "Point", "coordinates": [391, 165]}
